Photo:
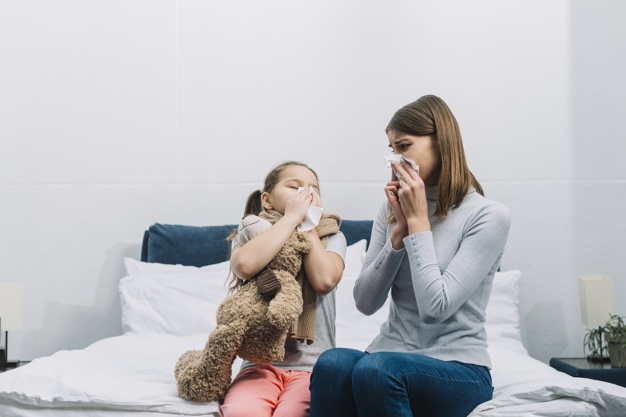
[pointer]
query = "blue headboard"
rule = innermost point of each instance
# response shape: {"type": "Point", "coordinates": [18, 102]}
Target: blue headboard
{"type": "Point", "coordinates": [205, 245]}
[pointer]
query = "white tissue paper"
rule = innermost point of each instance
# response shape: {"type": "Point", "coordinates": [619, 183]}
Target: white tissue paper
{"type": "Point", "coordinates": [313, 216]}
{"type": "Point", "coordinates": [397, 158]}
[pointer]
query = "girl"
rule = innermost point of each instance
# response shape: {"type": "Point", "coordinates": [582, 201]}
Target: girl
{"type": "Point", "coordinates": [435, 247]}
{"type": "Point", "coordinates": [282, 389]}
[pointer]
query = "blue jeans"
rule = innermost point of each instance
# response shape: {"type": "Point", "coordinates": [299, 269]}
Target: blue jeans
{"type": "Point", "coordinates": [348, 382]}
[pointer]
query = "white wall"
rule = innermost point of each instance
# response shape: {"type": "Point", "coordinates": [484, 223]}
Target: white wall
{"type": "Point", "coordinates": [118, 114]}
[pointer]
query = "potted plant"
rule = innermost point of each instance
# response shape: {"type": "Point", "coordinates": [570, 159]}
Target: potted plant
{"type": "Point", "coordinates": [608, 340]}
{"type": "Point", "coordinates": [616, 339]}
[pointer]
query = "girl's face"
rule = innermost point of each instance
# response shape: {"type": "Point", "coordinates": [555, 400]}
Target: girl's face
{"type": "Point", "coordinates": [292, 177]}
{"type": "Point", "coordinates": [420, 149]}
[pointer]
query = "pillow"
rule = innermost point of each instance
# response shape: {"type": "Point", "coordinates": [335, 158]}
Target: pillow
{"type": "Point", "coordinates": [179, 299]}
{"type": "Point", "coordinates": [355, 230]}
{"type": "Point", "coordinates": [353, 261]}
{"type": "Point", "coordinates": [502, 316]}
{"type": "Point", "coordinates": [181, 303]}
{"type": "Point", "coordinates": [206, 245]}
{"type": "Point", "coordinates": [135, 267]}
{"type": "Point", "coordinates": [186, 245]}
{"type": "Point", "coordinates": [355, 254]}
{"type": "Point", "coordinates": [354, 329]}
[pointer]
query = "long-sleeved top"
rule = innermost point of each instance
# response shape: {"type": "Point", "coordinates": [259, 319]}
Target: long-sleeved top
{"type": "Point", "coordinates": [439, 282]}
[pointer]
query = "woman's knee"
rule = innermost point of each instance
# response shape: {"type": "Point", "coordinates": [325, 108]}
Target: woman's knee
{"type": "Point", "coordinates": [331, 392]}
{"type": "Point", "coordinates": [334, 368]}
{"type": "Point", "coordinates": [373, 366]}
{"type": "Point", "coordinates": [337, 359]}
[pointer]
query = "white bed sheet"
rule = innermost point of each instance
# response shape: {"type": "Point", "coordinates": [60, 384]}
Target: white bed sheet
{"type": "Point", "coordinates": [119, 376]}
{"type": "Point", "coordinates": [524, 386]}
{"type": "Point", "coordinates": [132, 375]}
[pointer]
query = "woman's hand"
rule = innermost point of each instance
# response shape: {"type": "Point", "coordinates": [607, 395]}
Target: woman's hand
{"type": "Point", "coordinates": [400, 231]}
{"type": "Point", "coordinates": [411, 195]}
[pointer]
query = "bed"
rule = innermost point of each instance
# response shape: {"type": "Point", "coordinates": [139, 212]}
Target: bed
{"type": "Point", "coordinates": [169, 297]}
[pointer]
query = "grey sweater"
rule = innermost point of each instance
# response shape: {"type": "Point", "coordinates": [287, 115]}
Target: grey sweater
{"type": "Point", "coordinates": [439, 282]}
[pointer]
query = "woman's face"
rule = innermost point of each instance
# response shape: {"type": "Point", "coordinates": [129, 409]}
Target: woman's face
{"type": "Point", "coordinates": [420, 149]}
{"type": "Point", "coordinates": [291, 178]}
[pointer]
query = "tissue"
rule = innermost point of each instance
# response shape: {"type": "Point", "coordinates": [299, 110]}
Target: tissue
{"type": "Point", "coordinates": [397, 158]}
{"type": "Point", "coordinates": [313, 215]}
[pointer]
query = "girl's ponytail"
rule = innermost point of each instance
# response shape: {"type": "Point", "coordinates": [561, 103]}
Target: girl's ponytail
{"type": "Point", "coordinates": [254, 204]}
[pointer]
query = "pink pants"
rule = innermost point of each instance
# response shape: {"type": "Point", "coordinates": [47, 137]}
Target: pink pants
{"type": "Point", "coordinates": [266, 391]}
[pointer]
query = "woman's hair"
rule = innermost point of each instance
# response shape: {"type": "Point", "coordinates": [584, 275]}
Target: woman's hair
{"type": "Point", "coordinates": [254, 204]}
{"type": "Point", "coordinates": [430, 116]}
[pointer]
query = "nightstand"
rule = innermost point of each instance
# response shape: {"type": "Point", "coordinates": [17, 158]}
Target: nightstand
{"type": "Point", "coordinates": [584, 368]}
{"type": "Point", "coordinates": [13, 365]}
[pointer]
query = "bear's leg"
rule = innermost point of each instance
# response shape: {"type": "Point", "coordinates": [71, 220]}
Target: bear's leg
{"type": "Point", "coordinates": [286, 306]}
{"type": "Point", "coordinates": [205, 375]}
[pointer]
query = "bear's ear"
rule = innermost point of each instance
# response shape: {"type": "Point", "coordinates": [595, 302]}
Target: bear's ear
{"type": "Point", "coordinates": [267, 283]}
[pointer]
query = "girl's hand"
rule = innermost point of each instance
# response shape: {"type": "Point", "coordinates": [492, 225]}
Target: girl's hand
{"type": "Point", "coordinates": [297, 207]}
{"type": "Point", "coordinates": [411, 195]}
{"type": "Point", "coordinates": [317, 199]}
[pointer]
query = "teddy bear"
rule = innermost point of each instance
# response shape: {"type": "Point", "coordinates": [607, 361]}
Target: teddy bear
{"type": "Point", "coordinates": [250, 324]}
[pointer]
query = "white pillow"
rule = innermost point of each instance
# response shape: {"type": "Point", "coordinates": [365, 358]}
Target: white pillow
{"type": "Point", "coordinates": [183, 300]}
{"type": "Point", "coordinates": [354, 329]}
{"type": "Point", "coordinates": [355, 254]}
{"type": "Point", "coordinates": [175, 303]}
{"type": "Point", "coordinates": [502, 315]}
{"type": "Point", "coordinates": [135, 267]}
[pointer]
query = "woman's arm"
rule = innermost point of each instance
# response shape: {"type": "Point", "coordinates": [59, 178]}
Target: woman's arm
{"type": "Point", "coordinates": [380, 267]}
{"type": "Point", "coordinates": [440, 294]}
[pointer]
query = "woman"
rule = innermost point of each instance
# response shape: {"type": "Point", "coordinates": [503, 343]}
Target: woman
{"type": "Point", "coordinates": [435, 247]}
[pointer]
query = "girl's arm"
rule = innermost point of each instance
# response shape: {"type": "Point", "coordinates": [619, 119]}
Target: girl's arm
{"type": "Point", "coordinates": [246, 261]}
{"type": "Point", "coordinates": [323, 268]}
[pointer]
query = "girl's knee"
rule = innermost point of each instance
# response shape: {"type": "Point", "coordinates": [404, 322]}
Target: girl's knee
{"type": "Point", "coordinates": [243, 409]}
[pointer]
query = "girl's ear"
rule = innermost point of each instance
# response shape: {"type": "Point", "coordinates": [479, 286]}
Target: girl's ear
{"type": "Point", "coordinates": [266, 201]}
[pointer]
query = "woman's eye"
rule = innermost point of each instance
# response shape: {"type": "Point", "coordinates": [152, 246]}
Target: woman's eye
{"type": "Point", "coordinates": [403, 147]}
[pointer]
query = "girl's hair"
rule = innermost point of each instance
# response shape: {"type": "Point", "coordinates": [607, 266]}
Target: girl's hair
{"type": "Point", "coordinates": [430, 116]}
{"type": "Point", "coordinates": [254, 204]}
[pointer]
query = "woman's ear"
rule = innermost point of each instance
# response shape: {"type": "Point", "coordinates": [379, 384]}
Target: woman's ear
{"type": "Point", "coordinates": [266, 201]}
